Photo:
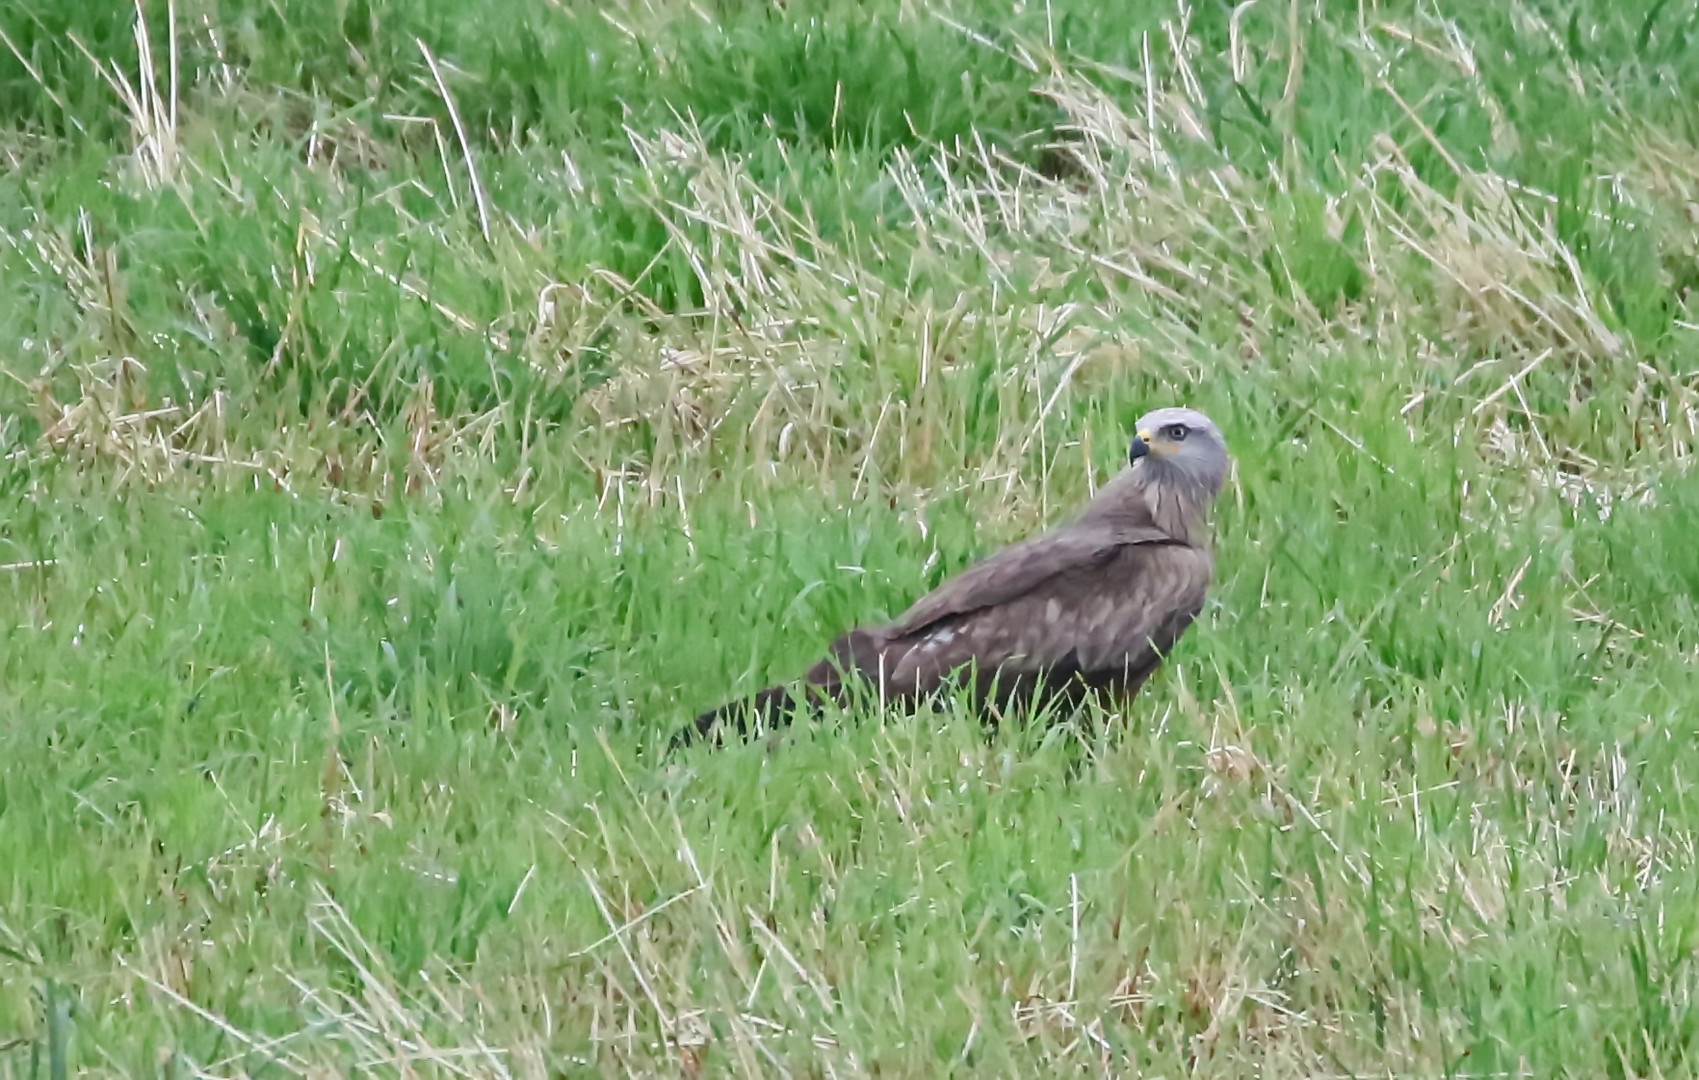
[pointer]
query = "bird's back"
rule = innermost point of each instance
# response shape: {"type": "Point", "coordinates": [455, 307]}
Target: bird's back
{"type": "Point", "coordinates": [1098, 618]}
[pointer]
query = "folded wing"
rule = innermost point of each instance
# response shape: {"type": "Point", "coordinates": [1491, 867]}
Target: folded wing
{"type": "Point", "coordinates": [1102, 616]}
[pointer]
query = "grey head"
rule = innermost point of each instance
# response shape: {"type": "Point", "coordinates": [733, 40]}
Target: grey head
{"type": "Point", "coordinates": [1181, 449]}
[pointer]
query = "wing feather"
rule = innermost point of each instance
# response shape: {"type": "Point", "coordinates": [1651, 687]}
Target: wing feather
{"type": "Point", "coordinates": [1020, 569]}
{"type": "Point", "coordinates": [1109, 619]}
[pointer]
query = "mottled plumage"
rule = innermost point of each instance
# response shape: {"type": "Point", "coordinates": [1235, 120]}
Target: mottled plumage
{"type": "Point", "coordinates": [1094, 605]}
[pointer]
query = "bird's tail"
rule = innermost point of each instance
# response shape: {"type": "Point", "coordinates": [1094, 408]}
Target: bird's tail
{"type": "Point", "coordinates": [853, 655]}
{"type": "Point", "coordinates": [770, 708]}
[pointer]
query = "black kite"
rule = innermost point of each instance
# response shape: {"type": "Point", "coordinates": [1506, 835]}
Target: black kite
{"type": "Point", "coordinates": [1094, 605]}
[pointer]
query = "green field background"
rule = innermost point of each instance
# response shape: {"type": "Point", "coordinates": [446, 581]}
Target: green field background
{"type": "Point", "coordinates": [411, 412]}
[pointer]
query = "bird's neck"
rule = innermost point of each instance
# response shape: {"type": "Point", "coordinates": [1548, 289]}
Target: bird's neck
{"type": "Point", "coordinates": [1139, 498]}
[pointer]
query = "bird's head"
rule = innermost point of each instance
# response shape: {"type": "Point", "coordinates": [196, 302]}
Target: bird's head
{"type": "Point", "coordinates": [1180, 446]}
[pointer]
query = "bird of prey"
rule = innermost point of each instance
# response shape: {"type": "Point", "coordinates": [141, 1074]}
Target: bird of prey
{"type": "Point", "coordinates": [1092, 606]}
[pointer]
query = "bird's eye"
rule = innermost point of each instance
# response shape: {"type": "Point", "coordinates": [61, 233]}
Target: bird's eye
{"type": "Point", "coordinates": [1175, 433]}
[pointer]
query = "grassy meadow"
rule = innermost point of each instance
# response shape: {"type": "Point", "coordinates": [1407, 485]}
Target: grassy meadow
{"type": "Point", "coordinates": [411, 411]}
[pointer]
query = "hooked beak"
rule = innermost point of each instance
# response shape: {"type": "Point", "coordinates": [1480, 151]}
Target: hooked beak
{"type": "Point", "coordinates": [1140, 447]}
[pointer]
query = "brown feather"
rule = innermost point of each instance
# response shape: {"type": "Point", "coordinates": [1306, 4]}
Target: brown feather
{"type": "Point", "coordinates": [1093, 606]}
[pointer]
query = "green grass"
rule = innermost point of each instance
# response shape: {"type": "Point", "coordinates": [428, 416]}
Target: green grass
{"type": "Point", "coordinates": [377, 496]}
